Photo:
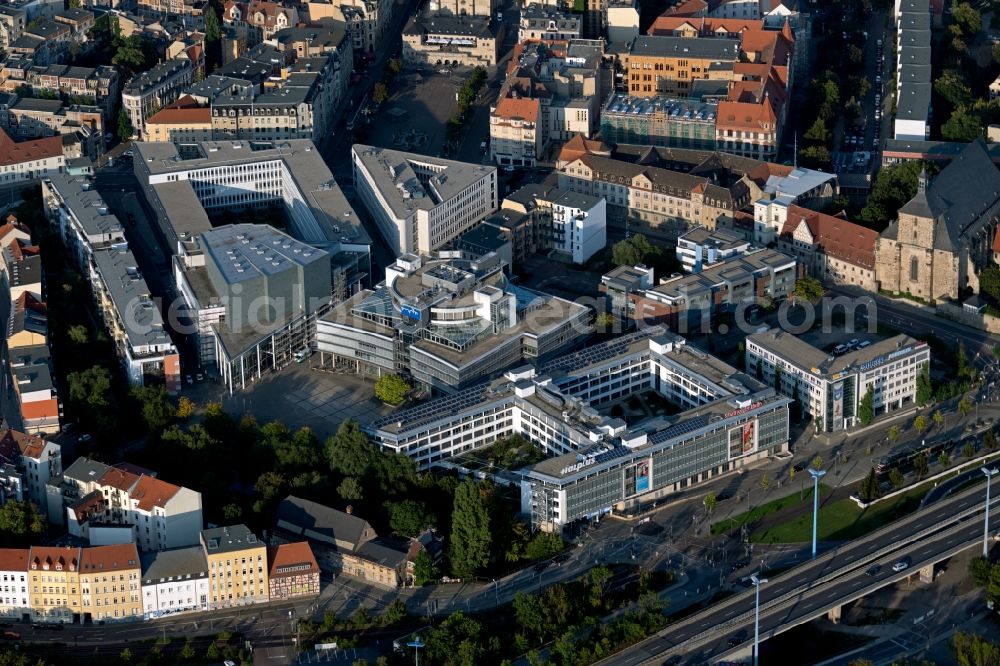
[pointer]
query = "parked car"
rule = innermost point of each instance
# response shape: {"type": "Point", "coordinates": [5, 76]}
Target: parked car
{"type": "Point", "coordinates": [84, 438]}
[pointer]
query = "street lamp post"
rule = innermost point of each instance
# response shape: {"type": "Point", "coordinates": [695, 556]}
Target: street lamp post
{"type": "Point", "coordinates": [757, 582]}
{"type": "Point", "coordinates": [816, 474]}
{"type": "Point", "coordinates": [990, 473]}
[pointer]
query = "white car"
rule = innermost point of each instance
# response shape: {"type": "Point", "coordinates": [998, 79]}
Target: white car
{"type": "Point", "coordinates": [900, 566]}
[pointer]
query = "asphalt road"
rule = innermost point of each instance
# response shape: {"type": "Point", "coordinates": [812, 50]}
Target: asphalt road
{"type": "Point", "coordinates": [852, 555]}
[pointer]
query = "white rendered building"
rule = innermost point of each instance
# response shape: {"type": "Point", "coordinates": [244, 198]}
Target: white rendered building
{"type": "Point", "coordinates": [579, 224]}
{"type": "Point", "coordinates": [14, 583]}
{"type": "Point", "coordinates": [419, 203]}
{"type": "Point", "coordinates": [174, 581]}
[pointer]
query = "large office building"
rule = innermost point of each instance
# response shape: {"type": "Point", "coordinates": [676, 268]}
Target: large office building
{"type": "Point", "coordinates": [447, 322]}
{"type": "Point", "coordinates": [419, 203]}
{"type": "Point", "coordinates": [599, 463]}
{"type": "Point", "coordinates": [830, 387]}
{"type": "Point", "coordinates": [185, 184]}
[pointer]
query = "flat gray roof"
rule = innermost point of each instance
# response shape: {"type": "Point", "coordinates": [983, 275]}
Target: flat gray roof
{"type": "Point", "coordinates": [131, 296]}
{"type": "Point", "coordinates": [177, 563]}
{"type": "Point", "coordinates": [86, 204]}
{"type": "Point", "coordinates": [245, 251]}
{"type": "Point", "coordinates": [715, 48]}
{"type": "Point", "coordinates": [393, 173]}
{"type": "Point", "coordinates": [800, 353]}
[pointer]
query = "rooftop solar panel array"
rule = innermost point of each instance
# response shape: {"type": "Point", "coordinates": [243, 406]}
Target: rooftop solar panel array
{"type": "Point", "coordinates": [678, 429]}
{"type": "Point", "coordinates": [435, 409]}
{"type": "Point", "coordinates": [599, 352]}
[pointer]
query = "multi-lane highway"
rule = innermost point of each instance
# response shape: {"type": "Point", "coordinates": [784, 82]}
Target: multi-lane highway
{"type": "Point", "coordinates": [808, 591]}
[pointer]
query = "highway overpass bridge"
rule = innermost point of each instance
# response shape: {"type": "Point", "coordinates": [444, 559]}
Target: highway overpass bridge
{"type": "Point", "coordinates": [821, 586]}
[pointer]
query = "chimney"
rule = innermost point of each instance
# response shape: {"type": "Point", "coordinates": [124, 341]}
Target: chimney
{"type": "Point", "coordinates": [349, 510]}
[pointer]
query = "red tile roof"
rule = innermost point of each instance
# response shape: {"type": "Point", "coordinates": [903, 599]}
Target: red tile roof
{"type": "Point", "coordinates": [13, 559]}
{"type": "Point", "coordinates": [118, 557]}
{"type": "Point", "coordinates": [40, 409]}
{"type": "Point", "coordinates": [836, 237]}
{"type": "Point", "coordinates": [28, 445]}
{"type": "Point", "coordinates": [291, 555]}
{"type": "Point", "coordinates": [181, 116]}
{"type": "Point", "coordinates": [66, 556]}
{"type": "Point", "coordinates": [512, 108]}
{"type": "Point", "coordinates": [118, 478]}
{"type": "Point", "coordinates": [151, 492]}
{"type": "Point", "coordinates": [12, 152]}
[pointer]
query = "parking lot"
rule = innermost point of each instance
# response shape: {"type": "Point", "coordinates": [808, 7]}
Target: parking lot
{"type": "Point", "coordinates": [415, 116]}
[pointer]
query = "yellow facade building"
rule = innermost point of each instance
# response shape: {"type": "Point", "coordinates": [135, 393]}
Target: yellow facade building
{"type": "Point", "coordinates": [237, 566]}
{"type": "Point", "coordinates": [54, 584]}
{"type": "Point", "coordinates": [110, 582]}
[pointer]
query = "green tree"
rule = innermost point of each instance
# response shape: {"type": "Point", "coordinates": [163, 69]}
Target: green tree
{"type": "Point", "coordinates": [424, 571]}
{"type": "Point", "coordinates": [350, 452]}
{"type": "Point", "coordinates": [925, 390]}
{"type": "Point", "coordinates": [456, 642]}
{"type": "Point", "coordinates": [596, 582]}
{"type": "Point", "coordinates": [989, 284]}
{"type": "Point", "coordinates": [815, 156]}
{"type": "Point", "coordinates": [808, 289]}
{"type": "Point", "coordinates": [951, 86]}
{"type": "Point", "coordinates": [395, 66]}
{"type": "Point", "coordinates": [963, 125]}
{"type": "Point", "coordinates": [893, 434]}
{"type": "Point", "coordinates": [943, 459]}
{"type": "Point", "coordinates": [232, 512]}
{"type": "Point", "coordinates": [271, 485]}
{"type": "Point", "coordinates": [409, 517]}
{"type": "Point", "coordinates": [78, 334]}
{"type": "Point", "coordinates": [818, 132]}
{"type": "Point", "coordinates": [156, 407]}
{"type": "Point", "coordinates": [920, 423]}
{"type": "Point", "coordinates": [125, 656]}
{"type": "Point", "coordinates": [871, 489]}
{"type": "Point", "coordinates": [968, 450]}
{"type": "Point", "coordinates": [896, 478]}
{"type": "Point", "coordinates": [635, 250]}
{"type": "Point", "coordinates": [920, 465]}
{"type": "Point", "coordinates": [529, 613]}
{"type": "Point", "coordinates": [20, 523]}
{"type": "Point", "coordinates": [470, 530]}
{"type": "Point", "coordinates": [938, 417]}
{"type": "Point", "coordinates": [380, 93]}
{"type": "Point", "coordinates": [765, 482]}
{"type": "Point", "coordinates": [817, 463]}
{"type": "Point", "coordinates": [989, 440]}
{"type": "Point", "coordinates": [968, 19]}
{"type": "Point", "coordinates": [974, 650]}
{"type": "Point", "coordinates": [185, 407]}
{"type": "Point", "coordinates": [213, 29]}
{"type": "Point", "coordinates": [866, 410]}
{"type": "Point", "coordinates": [90, 387]}
{"type": "Point", "coordinates": [965, 406]}
{"type": "Point", "coordinates": [391, 389]}
{"type": "Point", "coordinates": [710, 501]}
{"type": "Point", "coordinates": [350, 489]}
{"type": "Point", "coordinates": [543, 546]}
{"type": "Point", "coordinates": [125, 129]}
{"type": "Point", "coordinates": [393, 614]}
{"type": "Point", "coordinates": [895, 185]}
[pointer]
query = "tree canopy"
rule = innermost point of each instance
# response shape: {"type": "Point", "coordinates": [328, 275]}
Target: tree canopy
{"type": "Point", "coordinates": [391, 389]}
{"type": "Point", "coordinates": [470, 529]}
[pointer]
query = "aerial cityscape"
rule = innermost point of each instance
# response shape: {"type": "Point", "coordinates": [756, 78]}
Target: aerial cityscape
{"type": "Point", "coordinates": [496, 333]}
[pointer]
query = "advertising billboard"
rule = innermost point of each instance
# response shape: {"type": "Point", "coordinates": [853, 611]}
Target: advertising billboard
{"type": "Point", "coordinates": [838, 400]}
{"type": "Point", "coordinates": [749, 437]}
{"type": "Point", "coordinates": [642, 477]}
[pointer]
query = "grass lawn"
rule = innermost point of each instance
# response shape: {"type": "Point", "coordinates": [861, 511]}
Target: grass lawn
{"type": "Point", "coordinates": [844, 519]}
{"type": "Point", "coordinates": [755, 514]}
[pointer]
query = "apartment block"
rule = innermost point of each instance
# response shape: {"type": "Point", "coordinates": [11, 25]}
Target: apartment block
{"type": "Point", "coordinates": [419, 203]}
{"type": "Point", "coordinates": [110, 584]}
{"type": "Point", "coordinates": [14, 587]}
{"type": "Point", "coordinates": [24, 162]}
{"type": "Point", "coordinates": [174, 581]}
{"type": "Point", "coordinates": [38, 461]}
{"type": "Point", "coordinates": [54, 584]}
{"type": "Point", "coordinates": [366, 21]}
{"type": "Point", "coordinates": [157, 515]}
{"type": "Point", "coordinates": [154, 89]}
{"type": "Point", "coordinates": [12, 23]}
{"type": "Point", "coordinates": [237, 566]}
